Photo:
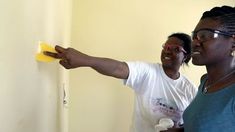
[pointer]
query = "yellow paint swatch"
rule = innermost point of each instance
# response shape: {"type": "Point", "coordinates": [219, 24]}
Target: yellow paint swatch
{"type": "Point", "coordinates": [44, 47]}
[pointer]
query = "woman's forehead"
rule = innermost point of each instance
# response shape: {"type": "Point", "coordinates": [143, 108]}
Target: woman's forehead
{"type": "Point", "coordinates": [174, 41]}
{"type": "Point", "coordinates": [208, 23]}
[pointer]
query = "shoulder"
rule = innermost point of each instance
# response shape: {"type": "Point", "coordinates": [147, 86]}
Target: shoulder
{"type": "Point", "coordinates": [143, 65]}
{"type": "Point", "coordinates": [189, 85]}
{"type": "Point", "coordinates": [187, 81]}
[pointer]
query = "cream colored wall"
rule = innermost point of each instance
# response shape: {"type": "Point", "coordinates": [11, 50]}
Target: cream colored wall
{"type": "Point", "coordinates": [123, 30]}
{"type": "Point", "coordinates": [31, 92]}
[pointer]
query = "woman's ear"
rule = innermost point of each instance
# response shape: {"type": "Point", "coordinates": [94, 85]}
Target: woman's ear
{"type": "Point", "coordinates": [186, 58]}
{"type": "Point", "coordinates": [183, 60]}
{"type": "Point", "coordinates": [233, 39]}
{"type": "Point", "coordinates": [233, 46]}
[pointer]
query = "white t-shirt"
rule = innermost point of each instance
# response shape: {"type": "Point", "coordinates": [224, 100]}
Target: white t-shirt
{"type": "Point", "coordinates": [157, 95]}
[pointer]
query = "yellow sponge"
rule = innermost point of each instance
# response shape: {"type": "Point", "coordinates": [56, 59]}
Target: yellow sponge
{"type": "Point", "coordinates": [44, 47]}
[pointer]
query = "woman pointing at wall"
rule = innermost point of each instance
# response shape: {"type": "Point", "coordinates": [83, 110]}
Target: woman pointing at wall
{"type": "Point", "coordinates": [161, 91]}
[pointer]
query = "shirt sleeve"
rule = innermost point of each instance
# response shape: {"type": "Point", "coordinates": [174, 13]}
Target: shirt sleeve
{"type": "Point", "coordinates": [138, 72]}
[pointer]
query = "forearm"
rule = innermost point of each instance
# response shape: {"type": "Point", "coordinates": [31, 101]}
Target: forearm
{"type": "Point", "coordinates": [109, 67]}
{"type": "Point", "coordinates": [71, 58]}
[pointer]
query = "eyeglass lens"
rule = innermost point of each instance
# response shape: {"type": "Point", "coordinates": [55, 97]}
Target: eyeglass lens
{"type": "Point", "coordinates": [204, 35]}
{"type": "Point", "coordinates": [174, 48]}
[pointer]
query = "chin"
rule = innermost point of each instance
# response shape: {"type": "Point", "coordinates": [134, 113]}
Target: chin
{"type": "Point", "coordinates": [198, 63]}
{"type": "Point", "coordinates": [167, 65]}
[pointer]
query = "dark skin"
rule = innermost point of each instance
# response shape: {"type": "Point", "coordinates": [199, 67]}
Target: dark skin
{"type": "Point", "coordinates": [171, 60]}
{"type": "Point", "coordinates": [71, 58]}
{"type": "Point", "coordinates": [215, 54]}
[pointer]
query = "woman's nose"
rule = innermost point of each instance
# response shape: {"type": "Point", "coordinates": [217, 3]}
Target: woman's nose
{"type": "Point", "coordinates": [196, 42]}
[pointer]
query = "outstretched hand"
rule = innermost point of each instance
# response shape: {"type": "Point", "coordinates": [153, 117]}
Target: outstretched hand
{"type": "Point", "coordinates": [69, 57]}
{"type": "Point", "coordinates": [58, 55]}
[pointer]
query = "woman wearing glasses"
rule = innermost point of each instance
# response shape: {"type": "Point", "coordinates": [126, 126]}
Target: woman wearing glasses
{"type": "Point", "coordinates": [213, 109]}
{"type": "Point", "coordinates": [161, 91]}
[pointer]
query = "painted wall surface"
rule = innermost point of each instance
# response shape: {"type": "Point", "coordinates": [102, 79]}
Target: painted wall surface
{"type": "Point", "coordinates": [123, 30]}
{"type": "Point", "coordinates": [30, 91]}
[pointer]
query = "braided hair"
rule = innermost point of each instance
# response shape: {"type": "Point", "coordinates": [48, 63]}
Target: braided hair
{"type": "Point", "coordinates": [225, 15]}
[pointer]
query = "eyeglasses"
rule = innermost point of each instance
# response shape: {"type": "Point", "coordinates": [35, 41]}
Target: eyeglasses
{"type": "Point", "coordinates": [173, 48]}
{"type": "Point", "coordinates": [206, 34]}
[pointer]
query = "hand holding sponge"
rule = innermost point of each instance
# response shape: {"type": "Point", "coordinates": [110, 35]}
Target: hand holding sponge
{"type": "Point", "coordinates": [40, 56]}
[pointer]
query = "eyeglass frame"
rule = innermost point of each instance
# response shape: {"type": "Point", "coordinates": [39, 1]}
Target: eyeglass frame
{"type": "Point", "coordinates": [171, 45]}
{"type": "Point", "coordinates": [215, 35]}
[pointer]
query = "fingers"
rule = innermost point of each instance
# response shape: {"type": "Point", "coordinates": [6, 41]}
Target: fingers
{"type": "Point", "coordinates": [51, 54]}
{"type": "Point", "coordinates": [58, 55]}
{"type": "Point", "coordinates": [59, 49]}
{"type": "Point", "coordinates": [54, 55]}
{"type": "Point", "coordinates": [65, 63]}
{"type": "Point", "coordinates": [62, 55]}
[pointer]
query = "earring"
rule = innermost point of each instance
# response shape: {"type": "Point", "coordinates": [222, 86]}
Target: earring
{"type": "Point", "coordinates": [233, 53]}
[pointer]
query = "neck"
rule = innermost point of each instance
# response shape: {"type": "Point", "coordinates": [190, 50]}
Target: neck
{"type": "Point", "coordinates": [172, 73]}
{"type": "Point", "coordinates": [215, 73]}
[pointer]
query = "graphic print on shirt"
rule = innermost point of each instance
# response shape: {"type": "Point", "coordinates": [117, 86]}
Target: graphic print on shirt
{"type": "Point", "coordinates": [167, 108]}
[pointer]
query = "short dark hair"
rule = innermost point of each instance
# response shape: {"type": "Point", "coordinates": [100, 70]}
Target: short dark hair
{"type": "Point", "coordinates": [186, 44]}
{"type": "Point", "coordinates": [225, 15]}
